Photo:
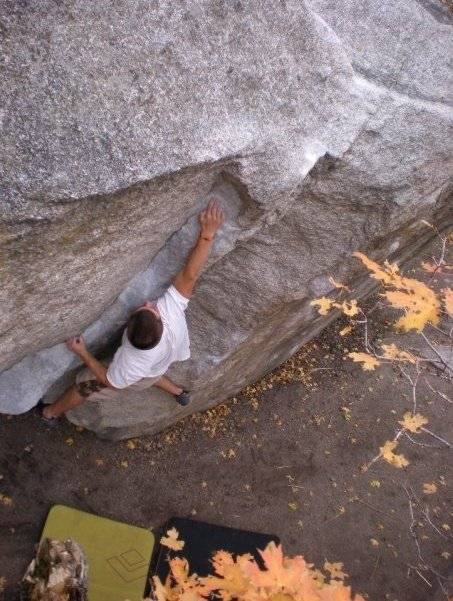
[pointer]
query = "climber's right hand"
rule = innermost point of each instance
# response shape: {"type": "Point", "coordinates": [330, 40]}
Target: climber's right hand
{"type": "Point", "coordinates": [76, 344]}
{"type": "Point", "coordinates": [211, 219]}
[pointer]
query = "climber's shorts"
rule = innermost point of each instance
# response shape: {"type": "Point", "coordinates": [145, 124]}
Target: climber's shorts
{"type": "Point", "coordinates": [90, 388]}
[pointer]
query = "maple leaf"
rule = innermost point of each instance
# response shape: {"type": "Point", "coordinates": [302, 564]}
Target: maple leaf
{"type": "Point", "coordinates": [70, 442]}
{"type": "Point", "coordinates": [429, 488]}
{"type": "Point", "coordinates": [419, 302]}
{"type": "Point", "coordinates": [280, 574]}
{"type": "Point", "coordinates": [335, 570]}
{"type": "Point", "coordinates": [171, 541]}
{"type": "Point", "coordinates": [230, 580]}
{"type": "Point", "coordinates": [386, 452]}
{"type": "Point", "coordinates": [391, 351]}
{"type": "Point", "coordinates": [448, 300]}
{"type": "Point", "coordinates": [413, 423]}
{"type": "Point", "coordinates": [369, 363]}
{"type": "Point", "coordinates": [378, 273]}
{"type": "Point", "coordinates": [324, 305]}
{"type": "Point", "coordinates": [349, 308]}
{"type": "Point", "coordinates": [131, 444]}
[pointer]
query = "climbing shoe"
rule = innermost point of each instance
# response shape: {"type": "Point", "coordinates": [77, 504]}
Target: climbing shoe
{"type": "Point", "coordinates": [50, 421]}
{"type": "Point", "coordinates": [183, 398]}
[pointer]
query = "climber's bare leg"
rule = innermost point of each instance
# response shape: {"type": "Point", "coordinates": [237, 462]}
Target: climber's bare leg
{"type": "Point", "coordinates": [68, 400]}
{"type": "Point", "coordinates": [166, 384]}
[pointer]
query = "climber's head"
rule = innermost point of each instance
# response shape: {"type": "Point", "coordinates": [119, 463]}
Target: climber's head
{"type": "Point", "coordinates": [144, 328]}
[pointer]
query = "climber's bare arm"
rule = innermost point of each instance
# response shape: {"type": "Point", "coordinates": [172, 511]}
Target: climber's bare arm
{"type": "Point", "coordinates": [210, 220]}
{"type": "Point", "coordinates": [77, 346]}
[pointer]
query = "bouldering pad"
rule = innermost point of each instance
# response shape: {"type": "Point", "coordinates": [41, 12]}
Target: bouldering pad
{"type": "Point", "coordinates": [202, 540]}
{"type": "Point", "coordinates": [118, 554]}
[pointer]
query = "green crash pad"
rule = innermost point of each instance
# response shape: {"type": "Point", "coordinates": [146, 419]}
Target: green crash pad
{"type": "Point", "coordinates": [118, 554]}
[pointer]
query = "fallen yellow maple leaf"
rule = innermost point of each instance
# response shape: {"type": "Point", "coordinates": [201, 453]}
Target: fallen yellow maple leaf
{"type": "Point", "coordinates": [171, 540]}
{"type": "Point", "coordinates": [70, 442]}
{"type": "Point", "coordinates": [391, 351]}
{"type": "Point", "coordinates": [349, 308]}
{"type": "Point", "coordinates": [429, 488]}
{"type": "Point", "coordinates": [335, 570]}
{"type": "Point", "coordinates": [413, 423]}
{"type": "Point", "coordinates": [324, 305]}
{"type": "Point", "coordinates": [369, 363]}
{"type": "Point", "coordinates": [386, 452]}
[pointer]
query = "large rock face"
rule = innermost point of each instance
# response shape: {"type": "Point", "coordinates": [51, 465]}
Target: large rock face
{"type": "Point", "coordinates": [323, 126]}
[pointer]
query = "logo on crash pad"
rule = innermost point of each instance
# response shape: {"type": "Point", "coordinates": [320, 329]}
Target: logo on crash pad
{"type": "Point", "coordinates": [129, 566]}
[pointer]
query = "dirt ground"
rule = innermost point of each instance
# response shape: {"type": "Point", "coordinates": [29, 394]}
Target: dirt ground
{"type": "Point", "coordinates": [286, 457]}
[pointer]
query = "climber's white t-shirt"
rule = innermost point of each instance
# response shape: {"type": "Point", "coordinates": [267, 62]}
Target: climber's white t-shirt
{"type": "Point", "coordinates": [130, 364]}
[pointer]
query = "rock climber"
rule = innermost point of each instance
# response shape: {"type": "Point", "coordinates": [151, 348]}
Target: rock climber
{"type": "Point", "coordinates": [156, 335]}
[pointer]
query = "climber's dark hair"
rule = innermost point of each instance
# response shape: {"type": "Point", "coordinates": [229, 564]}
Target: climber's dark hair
{"type": "Point", "coordinates": [144, 329]}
